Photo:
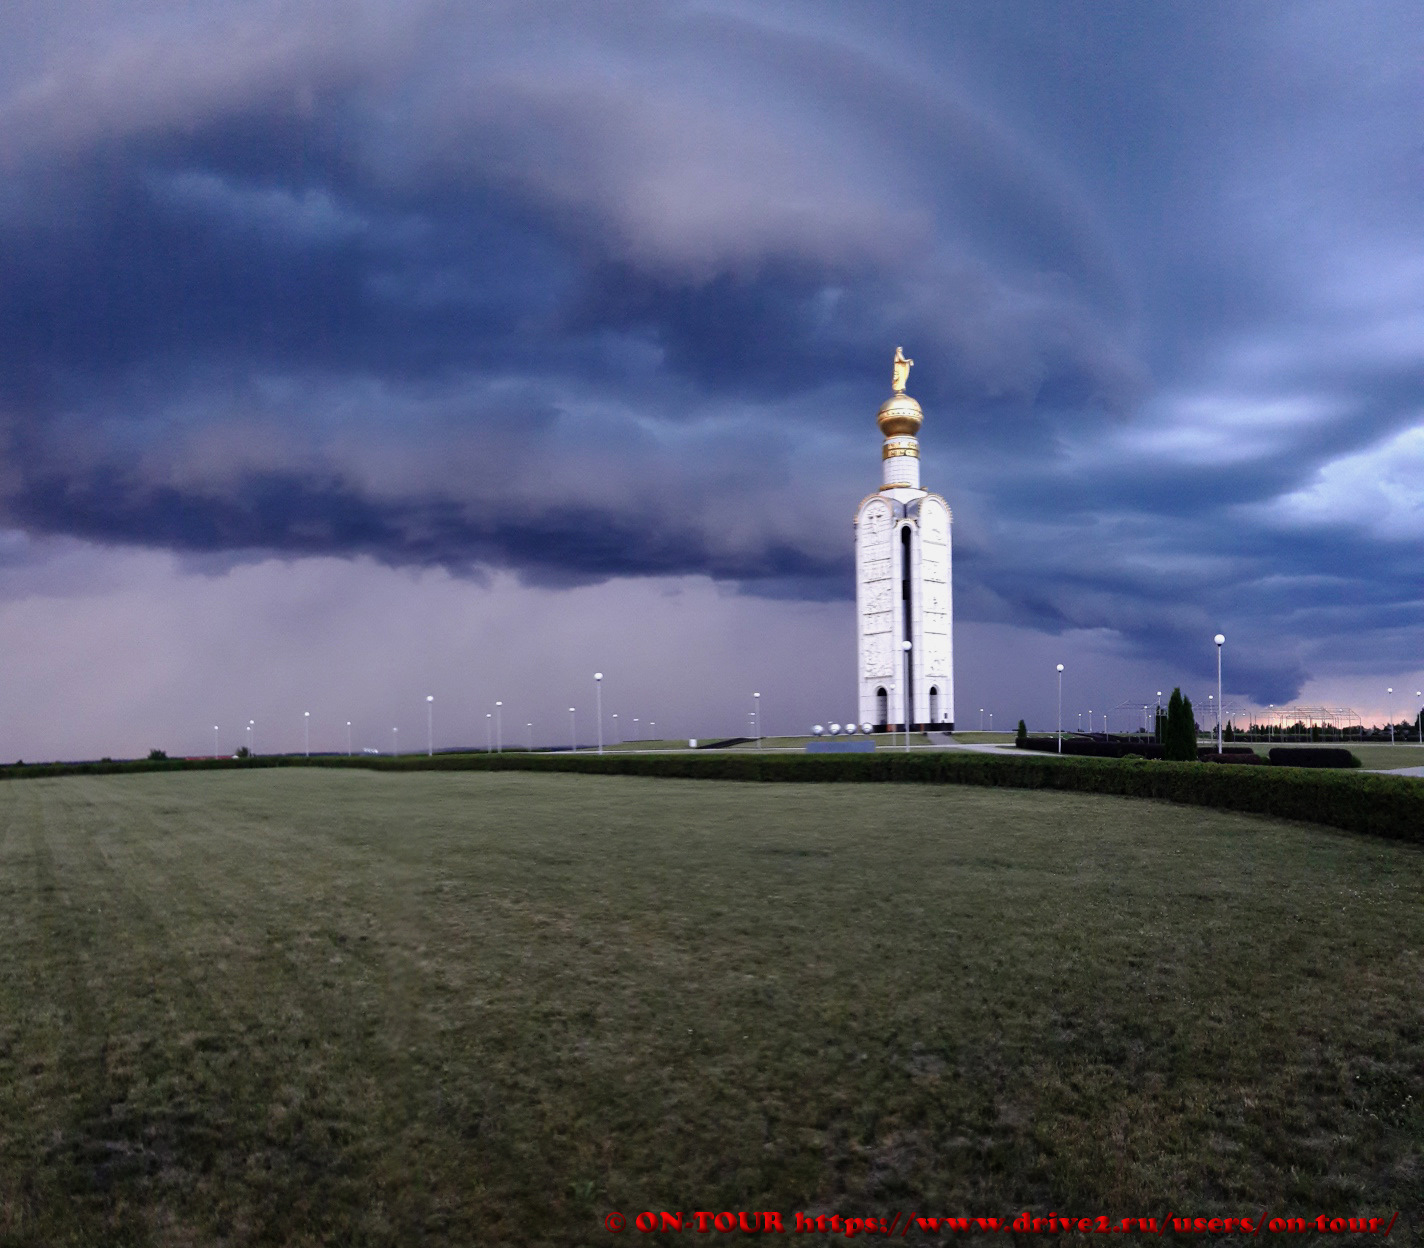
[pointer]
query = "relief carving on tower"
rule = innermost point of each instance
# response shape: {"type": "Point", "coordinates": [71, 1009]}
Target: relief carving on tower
{"type": "Point", "coordinates": [874, 529]}
{"type": "Point", "coordinates": [878, 599]}
{"type": "Point", "coordinates": [934, 522]}
{"type": "Point", "coordinates": [875, 656]}
{"type": "Point", "coordinates": [936, 604]}
{"type": "Point", "coordinates": [935, 656]}
{"type": "Point", "coordinates": [877, 570]}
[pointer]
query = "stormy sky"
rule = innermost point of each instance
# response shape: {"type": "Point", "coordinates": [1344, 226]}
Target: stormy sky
{"type": "Point", "coordinates": [353, 351]}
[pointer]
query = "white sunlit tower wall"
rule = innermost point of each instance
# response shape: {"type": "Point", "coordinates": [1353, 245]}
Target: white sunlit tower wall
{"type": "Point", "coordinates": [903, 589]}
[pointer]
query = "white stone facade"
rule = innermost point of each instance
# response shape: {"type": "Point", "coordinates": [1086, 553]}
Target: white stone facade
{"type": "Point", "coordinates": [903, 565]}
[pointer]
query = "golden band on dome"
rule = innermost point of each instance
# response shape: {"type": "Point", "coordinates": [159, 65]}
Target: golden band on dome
{"type": "Point", "coordinates": [897, 485]}
{"type": "Point", "coordinates": [890, 450]}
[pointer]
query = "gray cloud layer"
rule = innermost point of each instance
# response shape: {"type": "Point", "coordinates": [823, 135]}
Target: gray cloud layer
{"type": "Point", "coordinates": [587, 294]}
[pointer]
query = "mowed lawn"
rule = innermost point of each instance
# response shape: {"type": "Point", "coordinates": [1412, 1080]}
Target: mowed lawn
{"type": "Point", "coordinates": [322, 1007]}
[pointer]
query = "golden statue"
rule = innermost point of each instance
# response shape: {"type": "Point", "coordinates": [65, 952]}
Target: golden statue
{"type": "Point", "coordinates": [902, 370]}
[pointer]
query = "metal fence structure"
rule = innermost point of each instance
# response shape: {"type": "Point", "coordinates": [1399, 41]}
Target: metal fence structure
{"type": "Point", "coordinates": [1276, 723]}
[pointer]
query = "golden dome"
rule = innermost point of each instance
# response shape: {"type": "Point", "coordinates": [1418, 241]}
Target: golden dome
{"type": "Point", "coordinates": [900, 416]}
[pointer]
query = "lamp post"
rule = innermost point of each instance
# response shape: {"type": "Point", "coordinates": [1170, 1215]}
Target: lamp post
{"type": "Point", "coordinates": [429, 725]}
{"type": "Point", "coordinates": [348, 738]}
{"type": "Point", "coordinates": [489, 732]}
{"type": "Point", "coordinates": [1391, 715]}
{"type": "Point", "coordinates": [598, 690]}
{"type": "Point", "coordinates": [395, 742]}
{"type": "Point", "coordinates": [530, 726]}
{"type": "Point", "coordinates": [499, 727]}
{"type": "Point", "coordinates": [1212, 707]}
{"type": "Point", "coordinates": [1060, 708]}
{"type": "Point", "coordinates": [1090, 721]}
{"type": "Point", "coordinates": [909, 692]}
{"type": "Point", "coordinates": [215, 740]}
{"type": "Point", "coordinates": [1419, 693]}
{"type": "Point", "coordinates": [250, 722]}
{"type": "Point", "coordinates": [756, 715]}
{"type": "Point", "coordinates": [991, 721]}
{"type": "Point", "coordinates": [1220, 641]}
{"type": "Point", "coordinates": [981, 719]}
{"type": "Point", "coordinates": [635, 727]}
{"type": "Point", "coordinates": [653, 729]}
{"type": "Point", "coordinates": [307, 720]}
{"type": "Point", "coordinates": [573, 732]}
{"type": "Point", "coordinates": [616, 737]}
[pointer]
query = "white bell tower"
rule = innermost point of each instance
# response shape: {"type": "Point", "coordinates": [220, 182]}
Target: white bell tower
{"type": "Point", "coordinates": [902, 582]}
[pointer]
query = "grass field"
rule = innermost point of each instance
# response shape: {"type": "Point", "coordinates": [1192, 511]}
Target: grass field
{"type": "Point", "coordinates": [327, 1007]}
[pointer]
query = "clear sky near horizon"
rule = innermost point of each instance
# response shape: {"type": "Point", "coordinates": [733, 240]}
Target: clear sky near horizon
{"type": "Point", "coordinates": [354, 352]}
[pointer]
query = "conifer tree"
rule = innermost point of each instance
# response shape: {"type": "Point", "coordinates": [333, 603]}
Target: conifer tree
{"type": "Point", "coordinates": [1021, 738]}
{"type": "Point", "coordinates": [1179, 736]}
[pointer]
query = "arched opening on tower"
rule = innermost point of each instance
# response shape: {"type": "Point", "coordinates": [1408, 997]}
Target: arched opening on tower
{"type": "Point", "coordinates": [882, 707]}
{"type": "Point", "coordinates": [934, 704]}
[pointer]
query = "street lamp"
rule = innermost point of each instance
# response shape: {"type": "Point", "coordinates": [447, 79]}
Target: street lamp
{"type": "Point", "coordinates": [652, 729]}
{"type": "Point", "coordinates": [489, 732]}
{"type": "Point", "coordinates": [635, 727]}
{"type": "Point", "coordinates": [395, 742]}
{"type": "Point", "coordinates": [1419, 693]}
{"type": "Point", "coordinates": [598, 690]}
{"type": "Point", "coordinates": [499, 727]}
{"type": "Point", "coordinates": [307, 721]}
{"type": "Point", "coordinates": [429, 725]}
{"type": "Point", "coordinates": [348, 738]}
{"type": "Point", "coordinates": [1220, 641]}
{"type": "Point", "coordinates": [530, 726]}
{"type": "Point", "coordinates": [1391, 715]}
{"type": "Point", "coordinates": [909, 692]}
{"type": "Point", "coordinates": [756, 713]}
{"type": "Point", "coordinates": [991, 721]}
{"type": "Point", "coordinates": [215, 740]}
{"type": "Point", "coordinates": [616, 737]}
{"type": "Point", "coordinates": [573, 732]}
{"type": "Point", "coordinates": [1090, 721]}
{"type": "Point", "coordinates": [250, 722]}
{"type": "Point", "coordinates": [1060, 708]}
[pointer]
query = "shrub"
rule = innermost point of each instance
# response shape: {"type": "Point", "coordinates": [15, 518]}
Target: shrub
{"type": "Point", "coordinates": [156, 755]}
{"type": "Point", "coordinates": [1233, 756]}
{"type": "Point", "coordinates": [1300, 756]}
{"type": "Point", "coordinates": [1021, 738]}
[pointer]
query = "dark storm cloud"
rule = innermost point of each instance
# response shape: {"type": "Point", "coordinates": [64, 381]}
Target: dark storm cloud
{"type": "Point", "coordinates": [576, 293]}
{"type": "Point", "coordinates": [289, 515]}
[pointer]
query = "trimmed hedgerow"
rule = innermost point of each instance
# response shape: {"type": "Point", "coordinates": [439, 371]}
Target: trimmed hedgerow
{"type": "Point", "coordinates": [1390, 806]}
{"type": "Point", "coordinates": [1317, 756]}
{"type": "Point", "coordinates": [1090, 747]}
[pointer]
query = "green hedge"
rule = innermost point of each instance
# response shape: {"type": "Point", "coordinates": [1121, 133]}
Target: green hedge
{"type": "Point", "coordinates": [1391, 806]}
